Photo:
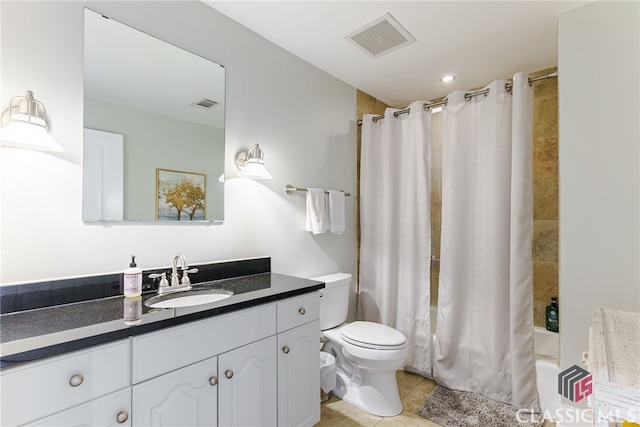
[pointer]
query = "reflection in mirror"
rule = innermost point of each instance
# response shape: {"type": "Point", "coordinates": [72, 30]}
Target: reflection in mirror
{"type": "Point", "coordinates": [149, 106]}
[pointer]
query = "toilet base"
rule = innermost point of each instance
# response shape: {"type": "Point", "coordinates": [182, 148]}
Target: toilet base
{"type": "Point", "coordinates": [375, 393]}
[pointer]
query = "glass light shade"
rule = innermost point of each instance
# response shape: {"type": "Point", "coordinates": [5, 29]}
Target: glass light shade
{"type": "Point", "coordinates": [251, 163]}
{"type": "Point", "coordinates": [255, 169]}
{"type": "Point", "coordinates": [29, 136]}
{"type": "Point", "coordinates": [25, 125]}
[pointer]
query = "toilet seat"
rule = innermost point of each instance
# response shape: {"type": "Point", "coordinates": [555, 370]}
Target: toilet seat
{"type": "Point", "coordinates": [373, 335]}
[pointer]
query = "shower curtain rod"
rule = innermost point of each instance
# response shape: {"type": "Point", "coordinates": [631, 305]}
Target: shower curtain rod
{"type": "Point", "coordinates": [467, 96]}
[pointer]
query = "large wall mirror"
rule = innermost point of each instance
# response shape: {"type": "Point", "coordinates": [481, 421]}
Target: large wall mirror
{"type": "Point", "coordinates": [153, 147]}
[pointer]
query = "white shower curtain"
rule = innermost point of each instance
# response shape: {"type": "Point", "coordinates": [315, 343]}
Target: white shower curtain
{"type": "Point", "coordinates": [395, 227]}
{"type": "Point", "coordinates": [484, 335]}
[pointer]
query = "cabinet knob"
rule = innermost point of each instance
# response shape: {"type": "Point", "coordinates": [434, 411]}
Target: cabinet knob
{"type": "Point", "coordinates": [213, 380]}
{"type": "Point", "coordinates": [302, 311]}
{"type": "Point", "coordinates": [228, 373]}
{"type": "Point", "coordinates": [285, 349]}
{"type": "Point", "coordinates": [76, 380]}
{"type": "Point", "coordinates": [122, 417]}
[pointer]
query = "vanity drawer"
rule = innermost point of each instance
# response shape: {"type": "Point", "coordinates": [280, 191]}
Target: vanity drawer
{"type": "Point", "coordinates": [39, 389]}
{"type": "Point", "coordinates": [164, 351]}
{"type": "Point", "coordinates": [297, 311]}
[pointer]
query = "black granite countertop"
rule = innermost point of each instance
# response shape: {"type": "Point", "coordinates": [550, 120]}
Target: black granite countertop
{"type": "Point", "coordinates": [32, 334]}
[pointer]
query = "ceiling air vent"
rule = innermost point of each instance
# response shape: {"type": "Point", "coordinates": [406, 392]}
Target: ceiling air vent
{"type": "Point", "coordinates": [380, 36]}
{"type": "Point", "coordinates": [205, 103]}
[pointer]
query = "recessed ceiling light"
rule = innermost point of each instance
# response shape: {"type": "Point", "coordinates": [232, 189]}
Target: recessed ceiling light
{"type": "Point", "coordinates": [447, 78]}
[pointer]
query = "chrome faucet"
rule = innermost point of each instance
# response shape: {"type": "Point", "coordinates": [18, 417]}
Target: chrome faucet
{"type": "Point", "coordinates": [177, 283]}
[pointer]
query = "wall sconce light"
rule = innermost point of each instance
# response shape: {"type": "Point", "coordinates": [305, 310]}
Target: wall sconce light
{"type": "Point", "coordinates": [251, 163]}
{"type": "Point", "coordinates": [25, 125]}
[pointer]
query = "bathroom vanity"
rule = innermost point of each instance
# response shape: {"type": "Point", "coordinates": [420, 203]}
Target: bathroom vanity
{"type": "Point", "coordinates": [251, 359]}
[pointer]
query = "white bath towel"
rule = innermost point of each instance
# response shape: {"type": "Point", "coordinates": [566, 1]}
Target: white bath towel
{"type": "Point", "coordinates": [336, 211]}
{"type": "Point", "coordinates": [317, 211]}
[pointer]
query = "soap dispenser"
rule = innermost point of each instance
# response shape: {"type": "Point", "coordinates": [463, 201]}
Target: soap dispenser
{"type": "Point", "coordinates": [132, 282]}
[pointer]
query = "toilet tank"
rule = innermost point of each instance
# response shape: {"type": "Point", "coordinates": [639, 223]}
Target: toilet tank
{"type": "Point", "coordinates": [334, 299]}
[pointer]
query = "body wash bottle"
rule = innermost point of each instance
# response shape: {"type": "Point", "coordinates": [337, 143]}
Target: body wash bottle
{"type": "Point", "coordinates": [552, 315]}
{"type": "Point", "coordinates": [132, 282]}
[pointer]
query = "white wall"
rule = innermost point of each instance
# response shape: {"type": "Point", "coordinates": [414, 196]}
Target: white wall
{"type": "Point", "coordinates": [599, 88]}
{"type": "Point", "coordinates": [302, 117]}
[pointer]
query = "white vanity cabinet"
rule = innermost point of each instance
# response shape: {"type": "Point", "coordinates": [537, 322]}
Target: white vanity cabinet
{"type": "Point", "coordinates": [186, 397]}
{"type": "Point", "coordinates": [299, 361]}
{"type": "Point", "coordinates": [47, 387]}
{"type": "Point", "coordinates": [248, 385]}
{"type": "Point", "coordinates": [108, 411]}
{"type": "Point", "coordinates": [166, 350]}
{"type": "Point", "coordinates": [235, 385]}
{"type": "Point", "coordinates": [258, 366]}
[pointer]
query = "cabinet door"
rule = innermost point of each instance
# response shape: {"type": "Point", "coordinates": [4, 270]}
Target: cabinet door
{"type": "Point", "coordinates": [248, 387]}
{"type": "Point", "coordinates": [299, 376]}
{"type": "Point", "coordinates": [40, 389]}
{"type": "Point", "coordinates": [186, 397]}
{"type": "Point", "coordinates": [112, 410]}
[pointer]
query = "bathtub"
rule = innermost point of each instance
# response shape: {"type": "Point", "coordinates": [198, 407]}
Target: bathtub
{"type": "Point", "coordinates": [546, 346]}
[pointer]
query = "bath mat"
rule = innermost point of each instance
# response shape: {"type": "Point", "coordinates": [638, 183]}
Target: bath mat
{"type": "Point", "coordinates": [451, 408]}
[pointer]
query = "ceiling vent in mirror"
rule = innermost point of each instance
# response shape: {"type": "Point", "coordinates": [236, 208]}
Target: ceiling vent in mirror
{"type": "Point", "coordinates": [205, 103]}
{"type": "Point", "coordinates": [380, 36]}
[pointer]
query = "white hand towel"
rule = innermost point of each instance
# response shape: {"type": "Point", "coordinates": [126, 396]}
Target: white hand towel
{"type": "Point", "coordinates": [336, 211]}
{"type": "Point", "coordinates": [317, 213]}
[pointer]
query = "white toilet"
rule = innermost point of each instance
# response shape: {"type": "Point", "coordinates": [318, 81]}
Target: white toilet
{"type": "Point", "coordinates": [367, 354]}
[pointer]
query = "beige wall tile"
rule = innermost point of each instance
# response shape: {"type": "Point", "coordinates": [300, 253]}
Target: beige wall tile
{"type": "Point", "coordinates": [545, 192]}
{"type": "Point", "coordinates": [545, 116]}
{"type": "Point", "coordinates": [380, 107]}
{"type": "Point", "coordinates": [548, 87]}
{"type": "Point", "coordinates": [545, 156]}
{"type": "Point", "coordinates": [545, 197]}
{"type": "Point", "coordinates": [539, 313]}
{"type": "Point", "coordinates": [545, 280]}
{"type": "Point", "coordinates": [435, 236]}
{"type": "Point", "coordinates": [545, 87]}
{"type": "Point", "coordinates": [367, 104]}
{"type": "Point", "coordinates": [545, 286]}
{"type": "Point", "coordinates": [545, 240]}
{"type": "Point", "coordinates": [435, 279]}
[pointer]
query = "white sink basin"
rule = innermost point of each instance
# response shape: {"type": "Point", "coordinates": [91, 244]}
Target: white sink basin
{"type": "Point", "coordinates": [188, 298]}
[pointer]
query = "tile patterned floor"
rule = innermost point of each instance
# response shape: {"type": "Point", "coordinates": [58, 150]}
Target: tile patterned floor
{"type": "Point", "coordinates": [414, 390]}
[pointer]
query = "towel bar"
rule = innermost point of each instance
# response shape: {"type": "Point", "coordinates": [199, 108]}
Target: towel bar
{"type": "Point", "coordinates": [290, 189]}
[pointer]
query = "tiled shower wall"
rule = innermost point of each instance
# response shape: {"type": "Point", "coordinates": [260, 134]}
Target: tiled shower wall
{"type": "Point", "coordinates": [545, 194]}
{"type": "Point", "coordinates": [545, 190]}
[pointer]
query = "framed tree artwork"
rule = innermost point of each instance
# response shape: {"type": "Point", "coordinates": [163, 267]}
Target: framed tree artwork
{"type": "Point", "coordinates": [180, 196]}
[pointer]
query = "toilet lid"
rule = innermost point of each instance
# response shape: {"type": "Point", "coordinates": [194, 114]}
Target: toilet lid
{"type": "Point", "coordinates": [373, 335]}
